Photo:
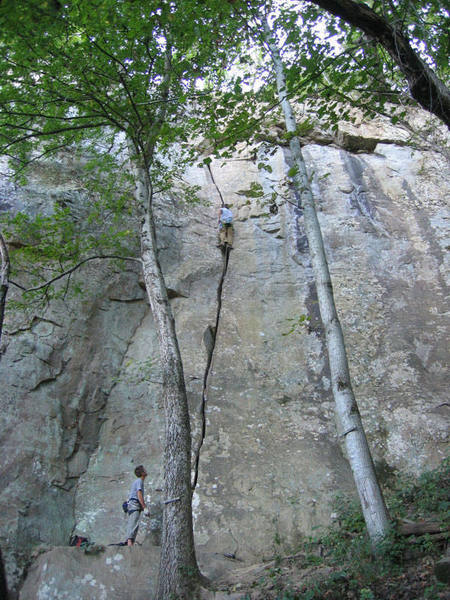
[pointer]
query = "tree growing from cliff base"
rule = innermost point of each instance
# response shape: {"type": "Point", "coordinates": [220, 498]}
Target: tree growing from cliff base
{"type": "Point", "coordinates": [118, 75]}
{"type": "Point", "coordinates": [350, 425]}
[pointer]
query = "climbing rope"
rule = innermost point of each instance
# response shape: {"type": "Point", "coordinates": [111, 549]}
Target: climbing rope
{"type": "Point", "coordinates": [217, 187]}
{"type": "Point", "coordinates": [212, 345]}
{"type": "Point", "coordinates": [214, 330]}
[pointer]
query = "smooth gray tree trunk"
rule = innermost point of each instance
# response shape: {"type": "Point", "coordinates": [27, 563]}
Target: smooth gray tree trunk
{"type": "Point", "coordinates": [178, 572]}
{"type": "Point", "coordinates": [349, 421]}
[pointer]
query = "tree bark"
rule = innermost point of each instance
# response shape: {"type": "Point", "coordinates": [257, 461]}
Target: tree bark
{"type": "Point", "coordinates": [179, 572]}
{"type": "Point", "coordinates": [4, 282]}
{"type": "Point", "coordinates": [421, 528]}
{"type": "Point", "coordinates": [349, 420]}
{"type": "Point", "coordinates": [424, 85]}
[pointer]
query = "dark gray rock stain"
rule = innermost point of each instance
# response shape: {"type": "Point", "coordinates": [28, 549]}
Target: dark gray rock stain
{"type": "Point", "coordinates": [301, 241]}
{"type": "Point", "coordinates": [315, 327]}
{"type": "Point", "coordinates": [358, 198]}
{"type": "Point", "coordinates": [428, 233]}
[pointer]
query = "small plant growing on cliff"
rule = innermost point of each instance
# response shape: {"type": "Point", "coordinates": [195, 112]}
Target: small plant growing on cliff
{"type": "Point", "coordinates": [298, 324]}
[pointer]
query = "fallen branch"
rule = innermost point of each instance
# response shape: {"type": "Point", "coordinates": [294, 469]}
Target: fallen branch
{"type": "Point", "coordinates": [435, 537]}
{"type": "Point", "coordinates": [420, 528]}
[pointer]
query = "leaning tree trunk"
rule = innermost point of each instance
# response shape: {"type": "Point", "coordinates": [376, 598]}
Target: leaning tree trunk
{"type": "Point", "coordinates": [424, 85]}
{"type": "Point", "coordinates": [4, 282]}
{"type": "Point", "coordinates": [178, 572]}
{"type": "Point", "coordinates": [349, 420]}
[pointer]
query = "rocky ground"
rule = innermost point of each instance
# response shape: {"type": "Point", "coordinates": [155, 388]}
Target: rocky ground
{"type": "Point", "coordinates": [291, 579]}
{"type": "Point", "coordinates": [338, 563]}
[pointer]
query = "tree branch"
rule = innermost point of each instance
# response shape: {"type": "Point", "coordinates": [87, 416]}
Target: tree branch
{"type": "Point", "coordinates": [72, 269]}
{"type": "Point", "coordinates": [36, 133]}
{"type": "Point", "coordinates": [38, 114]}
{"type": "Point", "coordinates": [424, 85]}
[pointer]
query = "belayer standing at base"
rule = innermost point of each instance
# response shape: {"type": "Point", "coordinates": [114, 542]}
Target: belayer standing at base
{"type": "Point", "coordinates": [226, 229]}
{"type": "Point", "coordinates": [136, 504]}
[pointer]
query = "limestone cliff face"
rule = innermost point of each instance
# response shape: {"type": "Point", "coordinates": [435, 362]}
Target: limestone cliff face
{"type": "Point", "coordinates": [81, 394]}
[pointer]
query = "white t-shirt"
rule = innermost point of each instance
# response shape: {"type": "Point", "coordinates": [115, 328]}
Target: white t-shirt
{"type": "Point", "coordinates": [226, 216]}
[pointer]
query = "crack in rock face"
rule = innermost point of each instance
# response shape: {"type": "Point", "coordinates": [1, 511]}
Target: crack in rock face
{"type": "Point", "coordinates": [209, 340]}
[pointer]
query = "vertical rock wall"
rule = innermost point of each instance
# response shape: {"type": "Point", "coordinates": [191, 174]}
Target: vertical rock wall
{"type": "Point", "coordinates": [81, 402]}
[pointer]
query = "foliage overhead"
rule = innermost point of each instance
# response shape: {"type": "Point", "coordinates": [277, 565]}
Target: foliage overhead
{"type": "Point", "coordinates": [331, 66]}
{"type": "Point", "coordinates": [94, 69]}
{"type": "Point", "coordinates": [100, 76]}
{"type": "Point", "coordinates": [102, 79]}
{"type": "Point", "coordinates": [409, 39]}
{"type": "Point", "coordinates": [161, 72]}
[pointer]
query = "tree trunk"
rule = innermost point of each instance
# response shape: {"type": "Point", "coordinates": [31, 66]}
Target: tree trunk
{"type": "Point", "coordinates": [178, 572]}
{"type": "Point", "coordinates": [424, 85]}
{"type": "Point", "coordinates": [421, 528]}
{"type": "Point", "coordinates": [349, 420]}
{"type": "Point", "coordinates": [4, 282]}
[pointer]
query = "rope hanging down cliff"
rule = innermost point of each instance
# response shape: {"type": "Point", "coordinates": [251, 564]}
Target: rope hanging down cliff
{"type": "Point", "coordinates": [217, 187]}
{"type": "Point", "coordinates": [209, 339]}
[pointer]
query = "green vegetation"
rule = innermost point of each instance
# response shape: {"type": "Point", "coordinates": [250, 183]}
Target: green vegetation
{"type": "Point", "coordinates": [339, 563]}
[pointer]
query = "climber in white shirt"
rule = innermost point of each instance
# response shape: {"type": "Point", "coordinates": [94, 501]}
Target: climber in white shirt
{"type": "Point", "coordinates": [226, 229]}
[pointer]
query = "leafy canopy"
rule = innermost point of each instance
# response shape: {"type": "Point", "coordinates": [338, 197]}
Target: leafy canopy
{"type": "Point", "coordinates": [95, 68]}
{"type": "Point", "coordinates": [97, 78]}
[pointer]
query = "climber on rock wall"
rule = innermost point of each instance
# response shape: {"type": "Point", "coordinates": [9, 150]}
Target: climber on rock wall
{"type": "Point", "coordinates": [226, 229]}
